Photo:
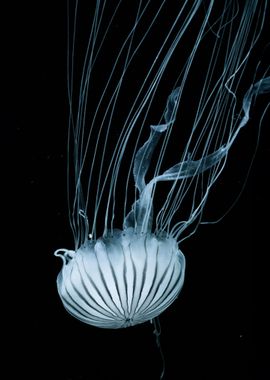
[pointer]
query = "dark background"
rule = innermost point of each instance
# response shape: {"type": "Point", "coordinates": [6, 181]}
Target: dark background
{"type": "Point", "coordinates": [218, 328]}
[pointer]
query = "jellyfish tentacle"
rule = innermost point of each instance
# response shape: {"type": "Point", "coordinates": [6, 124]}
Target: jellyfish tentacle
{"type": "Point", "coordinates": [260, 87]}
{"type": "Point", "coordinates": [141, 214]}
{"type": "Point", "coordinates": [144, 154]}
{"type": "Point", "coordinates": [143, 159]}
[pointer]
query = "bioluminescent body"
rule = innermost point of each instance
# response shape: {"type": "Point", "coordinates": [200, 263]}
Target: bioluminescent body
{"type": "Point", "coordinates": [156, 99]}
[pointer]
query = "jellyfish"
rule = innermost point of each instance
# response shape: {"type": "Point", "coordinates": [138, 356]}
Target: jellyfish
{"type": "Point", "coordinates": [148, 143]}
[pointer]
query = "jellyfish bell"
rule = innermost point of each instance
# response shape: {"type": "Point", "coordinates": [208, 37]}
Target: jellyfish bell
{"type": "Point", "coordinates": [128, 276]}
{"type": "Point", "coordinates": [122, 280]}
